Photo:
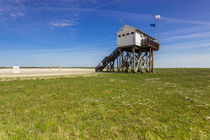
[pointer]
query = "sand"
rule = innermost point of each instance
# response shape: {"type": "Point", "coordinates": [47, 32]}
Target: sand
{"type": "Point", "coordinates": [39, 72]}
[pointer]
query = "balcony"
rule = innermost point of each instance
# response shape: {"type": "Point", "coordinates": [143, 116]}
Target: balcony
{"type": "Point", "coordinates": [150, 43]}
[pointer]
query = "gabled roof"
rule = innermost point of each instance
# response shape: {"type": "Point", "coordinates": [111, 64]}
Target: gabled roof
{"type": "Point", "coordinates": [135, 29]}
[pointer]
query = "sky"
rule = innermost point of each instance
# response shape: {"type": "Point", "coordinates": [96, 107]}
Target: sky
{"type": "Point", "coordinates": [75, 33]}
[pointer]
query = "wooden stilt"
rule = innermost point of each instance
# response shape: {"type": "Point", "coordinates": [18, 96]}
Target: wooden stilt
{"type": "Point", "coordinates": [134, 60]}
{"type": "Point", "coordinates": [146, 61]}
{"type": "Point", "coordinates": [118, 63]}
{"type": "Point", "coordinates": [150, 59]}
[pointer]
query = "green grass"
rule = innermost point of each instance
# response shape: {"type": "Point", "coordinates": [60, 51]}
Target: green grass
{"type": "Point", "coordinates": [169, 104]}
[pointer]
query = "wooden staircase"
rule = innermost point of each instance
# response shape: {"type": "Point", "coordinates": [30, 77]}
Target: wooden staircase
{"type": "Point", "coordinates": [107, 60]}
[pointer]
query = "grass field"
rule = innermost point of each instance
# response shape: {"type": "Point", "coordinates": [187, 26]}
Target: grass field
{"type": "Point", "coordinates": [169, 104]}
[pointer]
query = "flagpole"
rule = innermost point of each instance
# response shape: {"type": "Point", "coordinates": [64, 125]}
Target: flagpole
{"type": "Point", "coordinates": [158, 30]}
{"type": "Point", "coordinates": [158, 18]}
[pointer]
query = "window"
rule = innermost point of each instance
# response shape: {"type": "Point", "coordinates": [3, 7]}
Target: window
{"type": "Point", "coordinates": [127, 34]}
{"type": "Point", "coordinates": [123, 35]}
{"type": "Point", "coordinates": [132, 33]}
{"type": "Point", "coordinates": [119, 35]}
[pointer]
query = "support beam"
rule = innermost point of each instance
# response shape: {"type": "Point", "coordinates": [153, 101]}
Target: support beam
{"type": "Point", "coordinates": [134, 60]}
{"type": "Point", "coordinates": [150, 59]}
{"type": "Point", "coordinates": [146, 62]}
{"type": "Point", "coordinates": [118, 64]}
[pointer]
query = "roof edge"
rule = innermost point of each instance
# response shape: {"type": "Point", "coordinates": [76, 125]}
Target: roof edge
{"type": "Point", "coordinates": [136, 29]}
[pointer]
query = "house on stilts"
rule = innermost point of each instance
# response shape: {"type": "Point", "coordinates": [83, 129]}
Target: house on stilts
{"type": "Point", "coordinates": [134, 52]}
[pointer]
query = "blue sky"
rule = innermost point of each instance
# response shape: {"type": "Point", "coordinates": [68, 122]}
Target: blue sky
{"type": "Point", "coordinates": [82, 32]}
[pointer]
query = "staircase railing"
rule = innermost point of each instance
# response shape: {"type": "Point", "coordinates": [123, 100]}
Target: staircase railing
{"type": "Point", "coordinates": [107, 60]}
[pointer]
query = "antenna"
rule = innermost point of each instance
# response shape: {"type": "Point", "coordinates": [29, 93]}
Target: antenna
{"type": "Point", "coordinates": [121, 23]}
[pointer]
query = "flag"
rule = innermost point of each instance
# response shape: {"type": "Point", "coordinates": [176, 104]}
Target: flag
{"type": "Point", "coordinates": [152, 25]}
{"type": "Point", "coordinates": [157, 16]}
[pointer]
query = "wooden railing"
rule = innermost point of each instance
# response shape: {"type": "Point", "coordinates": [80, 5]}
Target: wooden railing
{"type": "Point", "coordinates": [107, 60]}
{"type": "Point", "coordinates": [150, 43]}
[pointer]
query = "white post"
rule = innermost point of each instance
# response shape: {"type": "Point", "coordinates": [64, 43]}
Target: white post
{"type": "Point", "coordinates": [158, 19]}
{"type": "Point", "coordinates": [16, 69]}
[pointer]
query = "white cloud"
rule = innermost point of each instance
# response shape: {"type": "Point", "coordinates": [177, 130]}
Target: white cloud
{"type": "Point", "coordinates": [187, 36]}
{"type": "Point", "coordinates": [11, 9]}
{"type": "Point", "coordinates": [189, 30]}
{"type": "Point", "coordinates": [187, 21]}
{"type": "Point", "coordinates": [62, 23]}
{"type": "Point", "coordinates": [17, 14]}
{"type": "Point", "coordinates": [187, 45]}
{"type": "Point", "coordinates": [89, 1]}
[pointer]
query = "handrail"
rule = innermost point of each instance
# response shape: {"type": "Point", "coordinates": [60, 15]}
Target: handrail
{"type": "Point", "coordinates": [150, 43]}
{"type": "Point", "coordinates": [107, 60]}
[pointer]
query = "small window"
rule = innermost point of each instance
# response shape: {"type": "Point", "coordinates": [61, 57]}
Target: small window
{"type": "Point", "coordinates": [127, 34]}
{"type": "Point", "coordinates": [123, 35]}
{"type": "Point", "coordinates": [132, 33]}
{"type": "Point", "coordinates": [119, 35]}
